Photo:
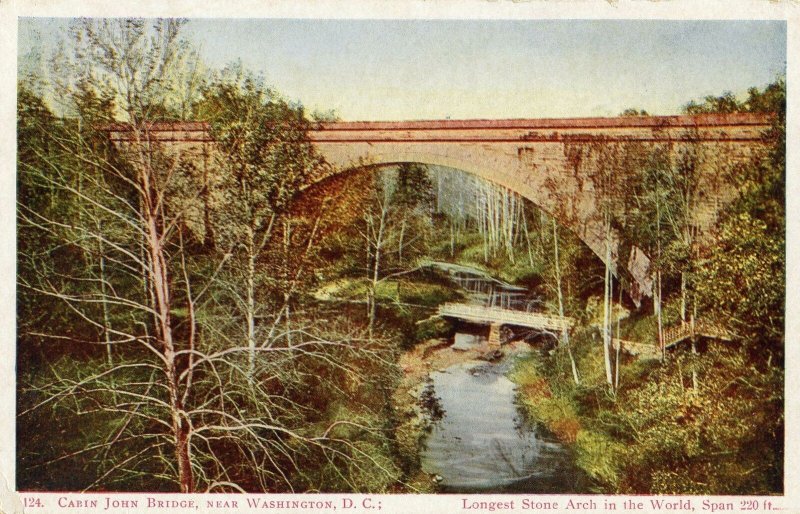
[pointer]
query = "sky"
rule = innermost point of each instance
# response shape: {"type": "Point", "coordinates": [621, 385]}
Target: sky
{"type": "Point", "coordinates": [437, 69]}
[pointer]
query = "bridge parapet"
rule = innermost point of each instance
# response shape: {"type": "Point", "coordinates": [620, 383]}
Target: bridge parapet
{"type": "Point", "coordinates": [741, 127]}
{"type": "Point", "coordinates": [707, 127]}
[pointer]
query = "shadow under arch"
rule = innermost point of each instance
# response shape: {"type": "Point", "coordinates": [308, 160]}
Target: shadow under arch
{"type": "Point", "coordinates": [506, 173]}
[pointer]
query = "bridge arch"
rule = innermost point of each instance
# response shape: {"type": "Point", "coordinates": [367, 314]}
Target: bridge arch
{"type": "Point", "coordinates": [528, 156]}
{"type": "Point", "coordinates": [505, 172]}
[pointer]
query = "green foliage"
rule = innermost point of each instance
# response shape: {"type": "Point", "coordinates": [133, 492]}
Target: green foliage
{"type": "Point", "coordinates": [743, 281]}
{"type": "Point", "coordinates": [265, 154]}
{"type": "Point", "coordinates": [643, 326]}
{"type": "Point", "coordinates": [771, 100]}
{"type": "Point", "coordinates": [74, 453]}
{"type": "Point", "coordinates": [599, 455]}
{"type": "Point", "coordinates": [723, 437]}
{"type": "Point", "coordinates": [556, 412]}
{"type": "Point", "coordinates": [87, 258]}
{"type": "Point", "coordinates": [371, 469]}
{"type": "Point", "coordinates": [634, 112]}
{"type": "Point", "coordinates": [659, 435]}
{"type": "Point", "coordinates": [67, 171]}
{"type": "Point", "coordinates": [725, 103]}
{"type": "Point", "coordinates": [763, 182]}
{"type": "Point", "coordinates": [95, 106]}
{"type": "Point", "coordinates": [414, 187]}
{"type": "Point", "coordinates": [144, 65]}
{"type": "Point", "coordinates": [436, 328]}
{"type": "Point", "coordinates": [551, 399]}
{"type": "Point", "coordinates": [398, 291]}
{"type": "Point", "coordinates": [362, 458]}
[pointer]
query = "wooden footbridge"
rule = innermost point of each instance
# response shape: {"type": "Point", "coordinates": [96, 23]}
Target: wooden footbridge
{"type": "Point", "coordinates": [673, 336]}
{"type": "Point", "coordinates": [695, 328]}
{"type": "Point", "coordinates": [496, 317]}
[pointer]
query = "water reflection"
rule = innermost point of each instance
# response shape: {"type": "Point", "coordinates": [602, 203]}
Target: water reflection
{"type": "Point", "coordinates": [482, 443]}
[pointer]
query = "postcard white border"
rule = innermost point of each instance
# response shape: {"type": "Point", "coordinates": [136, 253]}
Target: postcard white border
{"type": "Point", "coordinates": [788, 10]}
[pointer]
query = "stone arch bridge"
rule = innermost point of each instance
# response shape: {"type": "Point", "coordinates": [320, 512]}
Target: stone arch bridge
{"type": "Point", "coordinates": [532, 157]}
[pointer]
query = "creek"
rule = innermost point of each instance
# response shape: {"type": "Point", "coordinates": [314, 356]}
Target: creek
{"type": "Point", "coordinates": [480, 440]}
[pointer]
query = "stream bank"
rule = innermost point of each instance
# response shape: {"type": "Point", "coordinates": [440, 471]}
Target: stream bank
{"type": "Point", "coordinates": [460, 415]}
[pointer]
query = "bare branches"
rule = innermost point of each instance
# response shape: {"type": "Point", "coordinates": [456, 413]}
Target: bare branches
{"type": "Point", "coordinates": [135, 248]}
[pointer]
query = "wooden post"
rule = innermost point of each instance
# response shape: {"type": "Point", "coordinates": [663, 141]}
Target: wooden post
{"type": "Point", "coordinates": [494, 335]}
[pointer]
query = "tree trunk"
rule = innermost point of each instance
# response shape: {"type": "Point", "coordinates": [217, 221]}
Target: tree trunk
{"type": "Point", "coordinates": [152, 217]}
{"type": "Point", "coordinates": [439, 191]}
{"type": "Point", "coordinates": [376, 270]}
{"type": "Point", "coordinates": [607, 295]}
{"type": "Point", "coordinates": [287, 240]}
{"type": "Point", "coordinates": [400, 242]}
{"type": "Point", "coordinates": [683, 297]}
{"type": "Point", "coordinates": [183, 454]}
{"type": "Point", "coordinates": [657, 297]}
{"type": "Point", "coordinates": [161, 286]}
{"type": "Point", "coordinates": [695, 382]}
{"type": "Point", "coordinates": [661, 342]}
{"type": "Point", "coordinates": [565, 333]}
{"type": "Point", "coordinates": [104, 290]}
{"type": "Point", "coordinates": [619, 346]}
{"type": "Point", "coordinates": [527, 237]}
{"type": "Point", "coordinates": [250, 313]}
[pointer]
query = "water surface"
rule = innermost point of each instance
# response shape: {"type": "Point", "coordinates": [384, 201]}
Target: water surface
{"type": "Point", "coordinates": [482, 443]}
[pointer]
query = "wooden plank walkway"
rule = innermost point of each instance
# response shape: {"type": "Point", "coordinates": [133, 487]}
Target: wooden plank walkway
{"type": "Point", "coordinates": [700, 328]}
{"type": "Point", "coordinates": [673, 336]}
{"type": "Point", "coordinates": [495, 315]}
{"type": "Point", "coordinates": [640, 350]}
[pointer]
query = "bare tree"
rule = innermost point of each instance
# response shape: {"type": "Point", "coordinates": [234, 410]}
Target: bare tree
{"type": "Point", "coordinates": [612, 167]}
{"type": "Point", "coordinates": [266, 159]}
{"type": "Point", "coordinates": [180, 405]}
{"type": "Point", "coordinates": [560, 297]}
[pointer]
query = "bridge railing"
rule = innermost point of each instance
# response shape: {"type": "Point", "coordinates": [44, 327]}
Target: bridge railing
{"type": "Point", "coordinates": [505, 316]}
{"type": "Point", "coordinates": [700, 328]}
